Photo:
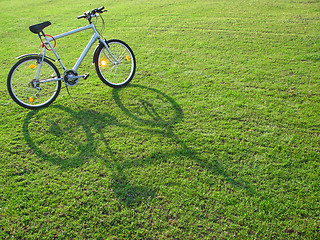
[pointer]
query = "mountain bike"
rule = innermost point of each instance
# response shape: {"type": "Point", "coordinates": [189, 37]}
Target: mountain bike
{"type": "Point", "coordinates": [35, 82]}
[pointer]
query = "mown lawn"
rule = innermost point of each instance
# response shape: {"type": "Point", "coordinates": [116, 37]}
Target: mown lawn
{"type": "Point", "coordinates": [217, 136]}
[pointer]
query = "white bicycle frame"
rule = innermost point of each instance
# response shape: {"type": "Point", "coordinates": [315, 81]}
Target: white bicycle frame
{"type": "Point", "coordinates": [83, 54]}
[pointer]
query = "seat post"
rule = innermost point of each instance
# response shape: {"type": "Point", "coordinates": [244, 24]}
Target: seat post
{"type": "Point", "coordinates": [42, 32]}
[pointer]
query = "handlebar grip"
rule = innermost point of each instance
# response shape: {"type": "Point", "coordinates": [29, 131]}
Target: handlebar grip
{"type": "Point", "coordinates": [97, 10]}
{"type": "Point", "coordinates": [89, 14]}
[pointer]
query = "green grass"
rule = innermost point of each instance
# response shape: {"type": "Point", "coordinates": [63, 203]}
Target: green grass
{"type": "Point", "coordinates": [217, 136]}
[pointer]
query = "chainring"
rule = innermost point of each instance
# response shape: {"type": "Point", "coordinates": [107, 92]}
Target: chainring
{"type": "Point", "coordinates": [70, 77]}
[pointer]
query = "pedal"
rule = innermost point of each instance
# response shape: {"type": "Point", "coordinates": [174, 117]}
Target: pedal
{"type": "Point", "coordinates": [86, 76]}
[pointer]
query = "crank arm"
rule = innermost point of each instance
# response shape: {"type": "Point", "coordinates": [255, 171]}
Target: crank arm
{"type": "Point", "coordinates": [85, 76]}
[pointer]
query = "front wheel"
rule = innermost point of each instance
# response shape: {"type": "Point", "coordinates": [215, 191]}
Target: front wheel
{"type": "Point", "coordinates": [33, 83]}
{"type": "Point", "coordinates": [118, 69]}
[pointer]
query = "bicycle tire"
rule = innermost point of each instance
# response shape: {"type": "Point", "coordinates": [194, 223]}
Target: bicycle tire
{"type": "Point", "coordinates": [21, 83]}
{"type": "Point", "coordinates": [110, 73]}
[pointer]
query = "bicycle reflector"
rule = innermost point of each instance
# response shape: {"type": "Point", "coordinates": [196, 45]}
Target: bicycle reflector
{"type": "Point", "coordinates": [31, 99]}
{"type": "Point", "coordinates": [32, 66]}
{"type": "Point", "coordinates": [103, 62]}
{"type": "Point", "coordinates": [128, 58]}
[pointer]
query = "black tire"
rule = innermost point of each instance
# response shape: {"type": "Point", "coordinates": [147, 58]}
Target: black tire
{"type": "Point", "coordinates": [21, 83]}
{"type": "Point", "coordinates": [115, 74]}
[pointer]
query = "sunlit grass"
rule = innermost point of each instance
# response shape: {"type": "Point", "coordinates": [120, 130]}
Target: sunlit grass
{"type": "Point", "coordinates": [217, 136]}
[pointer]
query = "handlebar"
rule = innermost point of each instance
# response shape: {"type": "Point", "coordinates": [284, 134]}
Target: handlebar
{"type": "Point", "coordinates": [92, 13]}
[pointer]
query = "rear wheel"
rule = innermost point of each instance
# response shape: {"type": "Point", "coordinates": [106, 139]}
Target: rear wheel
{"type": "Point", "coordinates": [115, 73]}
{"type": "Point", "coordinates": [30, 91]}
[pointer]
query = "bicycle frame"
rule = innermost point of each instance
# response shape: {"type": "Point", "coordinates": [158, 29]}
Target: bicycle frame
{"type": "Point", "coordinates": [83, 54]}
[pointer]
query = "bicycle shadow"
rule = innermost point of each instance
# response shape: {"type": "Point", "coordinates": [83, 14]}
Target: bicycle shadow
{"type": "Point", "coordinates": [165, 128]}
{"type": "Point", "coordinates": [68, 138]}
{"type": "Point", "coordinates": [50, 134]}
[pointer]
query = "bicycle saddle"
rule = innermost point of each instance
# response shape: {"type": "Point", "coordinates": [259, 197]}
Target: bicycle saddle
{"type": "Point", "coordinates": [39, 27]}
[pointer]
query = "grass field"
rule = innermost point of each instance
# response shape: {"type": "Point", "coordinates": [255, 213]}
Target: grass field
{"type": "Point", "coordinates": [217, 136]}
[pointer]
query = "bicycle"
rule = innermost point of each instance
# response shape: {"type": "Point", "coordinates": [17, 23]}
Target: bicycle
{"type": "Point", "coordinates": [34, 81]}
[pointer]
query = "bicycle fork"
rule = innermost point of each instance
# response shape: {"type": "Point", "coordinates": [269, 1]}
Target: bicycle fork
{"type": "Point", "coordinates": [115, 62]}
